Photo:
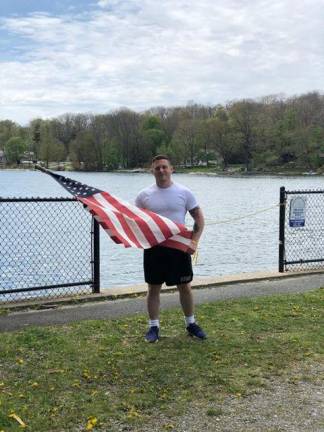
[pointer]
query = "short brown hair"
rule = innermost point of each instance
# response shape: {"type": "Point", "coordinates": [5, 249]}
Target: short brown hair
{"type": "Point", "coordinates": [160, 157]}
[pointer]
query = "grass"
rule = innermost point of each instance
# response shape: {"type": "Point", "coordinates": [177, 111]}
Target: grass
{"type": "Point", "coordinates": [96, 375]}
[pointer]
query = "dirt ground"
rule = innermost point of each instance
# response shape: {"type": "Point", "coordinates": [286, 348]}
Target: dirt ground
{"type": "Point", "coordinates": [293, 402]}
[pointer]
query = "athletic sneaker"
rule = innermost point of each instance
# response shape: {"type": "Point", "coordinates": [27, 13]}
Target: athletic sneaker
{"type": "Point", "coordinates": [152, 335]}
{"type": "Point", "coordinates": [194, 330]}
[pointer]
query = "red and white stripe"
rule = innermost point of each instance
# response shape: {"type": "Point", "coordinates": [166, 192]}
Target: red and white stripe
{"type": "Point", "coordinates": [134, 227]}
{"type": "Point", "coordinates": [179, 241]}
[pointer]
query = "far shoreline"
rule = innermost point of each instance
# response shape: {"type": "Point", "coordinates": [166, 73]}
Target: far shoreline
{"type": "Point", "coordinates": [190, 171]}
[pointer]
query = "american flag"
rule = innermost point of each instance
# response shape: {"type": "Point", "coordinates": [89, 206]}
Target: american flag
{"type": "Point", "coordinates": [124, 222]}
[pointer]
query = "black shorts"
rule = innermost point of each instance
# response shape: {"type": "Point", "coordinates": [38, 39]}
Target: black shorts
{"type": "Point", "coordinates": [162, 264]}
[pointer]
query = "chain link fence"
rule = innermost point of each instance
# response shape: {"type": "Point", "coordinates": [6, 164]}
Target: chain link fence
{"type": "Point", "coordinates": [49, 249]}
{"type": "Point", "coordinates": [301, 238]}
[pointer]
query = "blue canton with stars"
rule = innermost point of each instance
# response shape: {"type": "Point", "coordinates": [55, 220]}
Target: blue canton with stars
{"type": "Point", "coordinates": [75, 188]}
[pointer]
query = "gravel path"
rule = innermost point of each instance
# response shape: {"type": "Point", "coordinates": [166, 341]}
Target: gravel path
{"type": "Point", "coordinates": [290, 403]}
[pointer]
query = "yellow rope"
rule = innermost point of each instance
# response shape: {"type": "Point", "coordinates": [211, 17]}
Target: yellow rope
{"type": "Point", "coordinates": [241, 217]}
{"type": "Point", "coordinates": [195, 255]}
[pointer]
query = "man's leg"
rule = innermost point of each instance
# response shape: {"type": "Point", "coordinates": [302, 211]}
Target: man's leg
{"type": "Point", "coordinates": [153, 309]}
{"type": "Point", "coordinates": [186, 300]}
{"type": "Point", "coordinates": [153, 301]}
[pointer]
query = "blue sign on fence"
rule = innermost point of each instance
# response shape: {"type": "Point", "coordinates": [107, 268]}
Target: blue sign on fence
{"type": "Point", "coordinates": [297, 212]}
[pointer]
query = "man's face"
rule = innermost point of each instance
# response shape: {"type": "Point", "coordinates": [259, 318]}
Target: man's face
{"type": "Point", "coordinates": [162, 170]}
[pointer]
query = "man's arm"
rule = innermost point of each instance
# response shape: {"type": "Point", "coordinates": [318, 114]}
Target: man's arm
{"type": "Point", "coordinates": [199, 223]}
{"type": "Point", "coordinates": [139, 201]}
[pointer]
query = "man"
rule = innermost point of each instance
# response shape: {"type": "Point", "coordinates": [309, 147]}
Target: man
{"type": "Point", "coordinates": [162, 264]}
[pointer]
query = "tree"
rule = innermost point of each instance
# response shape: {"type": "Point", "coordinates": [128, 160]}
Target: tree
{"type": "Point", "coordinates": [82, 153]}
{"type": "Point", "coordinates": [153, 137]}
{"type": "Point", "coordinates": [111, 155]}
{"type": "Point", "coordinates": [35, 137]}
{"type": "Point", "coordinates": [218, 137]}
{"type": "Point", "coordinates": [51, 149]}
{"type": "Point", "coordinates": [65, 130]}
{"type": "Point", "coordinates": [187, 135]}
{"type": "Point", "coordinates": [175, 150]}
{"type": "Point", "coordinates": [243, 119]}
{"type": "Point", "coordinates": [98, 132]}
{"type": "Point", "coordinates": [125, 128]}
{"type": "Point", "coordinates": [8, 129]}
{"type": "Point", "coordinates": [270, 131]}
{"type": "Point", "coordinates": [14, 148]}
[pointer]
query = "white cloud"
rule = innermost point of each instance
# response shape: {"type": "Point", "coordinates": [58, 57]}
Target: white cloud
{"type": "Point", "coordinates": [144, 53]}
{"type": "Point", "coordinates": [103, 3]}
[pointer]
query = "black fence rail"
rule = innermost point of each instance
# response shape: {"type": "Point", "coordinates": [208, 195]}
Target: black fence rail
{"type": "Point", "coordinates": [301, 230]}
{"type": "Point", "coordinates": [49, 248]}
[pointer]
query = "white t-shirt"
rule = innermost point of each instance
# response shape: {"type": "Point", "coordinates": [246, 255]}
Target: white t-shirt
{"type": "Point", "coordinates": [172, 202]}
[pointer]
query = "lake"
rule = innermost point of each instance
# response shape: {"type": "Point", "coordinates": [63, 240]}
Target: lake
{"type": "Point", "coordinates": [247, 243]}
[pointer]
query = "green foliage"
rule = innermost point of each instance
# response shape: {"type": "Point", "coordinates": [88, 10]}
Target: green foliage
{"type": "Point", "coordinates": [35, 137]}
{"type": "Point", "coordinates": [265, 134]}
{"type": "Point", "coordinates": [152, 138]}
{"type": "Point", "coordinates": [82, 151]}
{"type": "Point", "coordinates": [176, 150]}
{"type": "Point", "coordinates": [14, 148]}
{"type": "Point", "coordinates": [244, 121]}
{"type": "Point", "coordinates": [110, 155]}
{"type": "Point", "coordinates": [8, 129]}
{"type": "Point", "coordinates": [268, 158]}
{"type": "Point", "coordinates": [50, 148]}
{"type": "Point", "coordinates": [151, 122]}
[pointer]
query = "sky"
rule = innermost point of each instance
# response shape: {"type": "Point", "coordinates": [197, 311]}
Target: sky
{"type": "Point", "coordinates": [60, 56]}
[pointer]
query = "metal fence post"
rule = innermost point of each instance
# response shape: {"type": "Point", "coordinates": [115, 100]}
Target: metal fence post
{"type": "Point", "coordinates": [282, 216]}
{"type": "Point", "coordinates": [96, 257]}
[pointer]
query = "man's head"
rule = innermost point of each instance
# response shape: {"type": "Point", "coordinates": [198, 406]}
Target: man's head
{"type": "Point", "coordinates": [162, 170]}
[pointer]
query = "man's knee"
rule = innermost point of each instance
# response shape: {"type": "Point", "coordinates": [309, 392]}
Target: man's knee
{"type": "Point", "coordinates": [154, 289]}
{"type": "Point", "coordinates": [185, 288]}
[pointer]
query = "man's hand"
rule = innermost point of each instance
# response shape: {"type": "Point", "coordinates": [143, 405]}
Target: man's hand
{"type": "Point", "coordinates": [192, 247]}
